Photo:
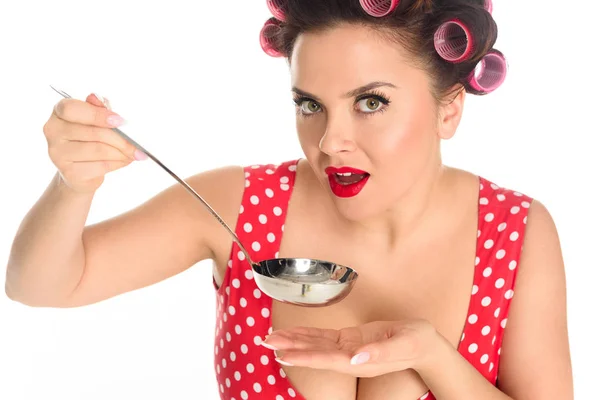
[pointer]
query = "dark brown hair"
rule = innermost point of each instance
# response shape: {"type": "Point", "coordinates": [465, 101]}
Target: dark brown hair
{"type": "Point", "coordinates": [412, 25]}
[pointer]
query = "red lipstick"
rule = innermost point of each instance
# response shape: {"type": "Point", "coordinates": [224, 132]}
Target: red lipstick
{"type": "Point", "coordinates": [346, 181]}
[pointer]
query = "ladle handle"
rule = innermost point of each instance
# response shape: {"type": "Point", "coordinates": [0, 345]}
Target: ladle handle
{"type": "Point", "coordinates": [178, 179]}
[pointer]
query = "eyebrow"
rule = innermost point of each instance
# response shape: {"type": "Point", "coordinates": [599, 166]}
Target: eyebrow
{"type": "Point", "coordinates": [351, 93]}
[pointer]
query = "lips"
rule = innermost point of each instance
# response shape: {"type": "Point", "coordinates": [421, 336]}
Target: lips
{"type": "Point", "coordinates": [346, 181]}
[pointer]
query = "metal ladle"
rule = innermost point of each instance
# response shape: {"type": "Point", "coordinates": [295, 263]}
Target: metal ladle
{"type": "Point", "coordinates": [301, 281]}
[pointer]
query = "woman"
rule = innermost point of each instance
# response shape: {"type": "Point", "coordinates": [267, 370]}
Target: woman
{"type": "Point", "coordinates": [438, 311]}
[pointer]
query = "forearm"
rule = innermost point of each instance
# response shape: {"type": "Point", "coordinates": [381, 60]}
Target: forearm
{"type": "Point", "coordinates": [47, 256]}
{"type": "Point", "coordinates": [450, 376]}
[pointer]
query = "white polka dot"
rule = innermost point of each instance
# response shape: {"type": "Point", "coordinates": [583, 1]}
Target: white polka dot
{"type": "Point", "coordinates": [292, 168]}
{"type": "Point", "coordinates": [257, 293]}
{"type": "Point", "coordinates": [270, 237]}
{"type": "Point", "coordinates": [237, 376]}
{"type": "Point", "coordinates": [248, 274]}
{"type": "Point", "coordinates": [241, 209]}
{"type": "Point", "coordinates": [221, 343]}
{"type": "Point", "coordinates": [255, 246]}
{"type": "Point", "coordinates": [284, 187]}
{"type": "Point", "coordinates": [254, 199]}
{"type": "Point", "coordinates": [515, 210]}
{"type": "Point", "coordinates": [512, 265]}
{"type": "Point", "coordinates": [231, 310]}
{"type": "Point", "coordinates": [491, 367]}
{"type": "Point", "coordinates": [477, 261]}
{"type": "Point", "coordinates": [501, 197]}
{"type": "Point", "coordinates": [497, 312]}
{"type": "Point", "coordinates": [216, 350]}
{"type": "Point", "coordinates": [264, 360]}
{"type": "Point", "coordinates": [277, 210]}
{"type": "Point", "coordinates": [228, 337]}
{"type": "Point", "coordinates": [494, 186]}
{"type": "Point", "coordinates": [502, 227]}
{"type": "Point", "coordinates": [232, 356]}
{"type": "Point", "coordinates": [487, 272]}
{"type": "Point", "coordinates": [224, 363]}
{"type": "Point", "coordinates": [269, 171]}
{"type": "Point", "coordinates": [247, 183]}
{"type": "Point", "coordinates": [484, 358]}
{"type": "Point", "coordinates": [227, 382]}
{"type": "Point", "coordinates": [475, 289]}
{"type": "Point", "coordinates": [255, 166]}
{"type": "Point", "coordinates": [509, 294]}
{"type": "Point", "coordinates": [257, 340]}
{"type": "Point", "coordinates": [218, 369]}
{"type": "Point", "coordinates": [518, 194]}
{"type": "Point", "coordinates": [489, 217]}
{"type": "Point", "coordinates": [282, 373]}
{"type": "Point", "coordinates": [525, 220]}
{"type": "Point", "coordinates": [227, 290]}
{"type": "Point", "coordinates": [238, 329]}
{"type": "Point", "coordinates": [494, 339]}
{"type": "Point", "coordinates": [284, 179]}
{"type": "Point", "coordinates": [514, 236]}
{"type": "Point", "coordinates": [241, 255]}
{"type": "Point", "coordinates": [271, 379]}
{"type": "Point", "coordinates": [246, 174]}
{"type": "Point", "coordinates": [265, 312]}
{"type": "Point", "coordinates": [229, 263]}
{"type": "Point", "coordinates": [250, 368]}
{"type": "Point", "coordinates": [291, 392]}
{"type": "Point", "coordinates": [269, 192]}
{"type": "Point", "coordinates": [478, 233]}
{"type": "Point", "coordinates": [473, 348]}
{"type": "Point", "coordinates": [277, 254]}
{"type": "Point", "coordinates": [488, 244]}
{"type": "Point", "coordinates": [503, 323]}
{"type": "Point", "coordinates": [244, 395]}
{"type": "Point", "coordinates": [257, 388]}
{"type": "Point", "coordinates": [486, 301]}
{"type": "Point", "coordinates": [250, 321]}
{"type": "Point", "coordinates": [525, 204]}
{"type": "Point", "coordinates": [244, 349]}
{"type": "Point", "coordinates": [262, 218]}
{"type": "Point", "coordinates": [484, 201]}
{"type": "Point", "coordinates": [248, 227]}
{"type": "Point", "coordinates": [224, 317]}
{"type": "Point", "coordinates": [235, 283]}
{"type": "Point", "coordinates": [485, 330]}
{"type": "Point", "coordinates": [472, 318]}
{"type": "Point", "coordinates": [222, 388]}
{"type": "Point", "coordinates": [279, 397]}
{"type": "Point", "coordinates": [462, 337]}
{"type": "Point", "coordinates": [243, 302]}
{"type": "Point", "coordinates": [499, 283]}
{"type": "Point", "coordinates": [500, 254]}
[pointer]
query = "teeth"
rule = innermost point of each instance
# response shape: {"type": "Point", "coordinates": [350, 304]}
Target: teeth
{"type": "Point", "coordinates": [344, 173]}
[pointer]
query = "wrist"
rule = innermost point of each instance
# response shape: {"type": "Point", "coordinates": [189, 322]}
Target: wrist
{"type": "Point", "coordinates": [434, 348]}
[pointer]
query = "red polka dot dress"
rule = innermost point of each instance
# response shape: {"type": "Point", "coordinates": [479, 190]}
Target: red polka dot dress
{"type": "Point", "coordinates": [246, 370]}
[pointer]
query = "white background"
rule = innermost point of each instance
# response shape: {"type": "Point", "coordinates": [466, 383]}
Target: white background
{"type": "Point", "coordinates": [199, 93]}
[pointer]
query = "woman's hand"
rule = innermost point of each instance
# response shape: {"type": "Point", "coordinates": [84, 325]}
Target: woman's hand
{"type": "Point", "coordinates": [368, 350]}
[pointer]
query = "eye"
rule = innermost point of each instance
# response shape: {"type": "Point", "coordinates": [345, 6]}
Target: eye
{"type": "Point", "coordinates": [309, 107]}
{"type": "Point", "coordinates": [369, 104]}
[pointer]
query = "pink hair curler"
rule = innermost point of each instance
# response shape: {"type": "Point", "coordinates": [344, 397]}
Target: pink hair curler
{"type": "Point", "coordinates": [489, 73]}
{"type": "Point", "coordinates": [489, 7]}
{"type": "Point", "coordinates": [453, 41]}
{"type": "Point", "coordinates": [379, 8]}
{"type": "Point", "coordinates": [277, 8]}
{"type": "Point", "coordinates": [269, 30]}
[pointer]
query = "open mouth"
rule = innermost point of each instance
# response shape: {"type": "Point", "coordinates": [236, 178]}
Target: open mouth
{"type": "Point", "coordinates": [346, 181]}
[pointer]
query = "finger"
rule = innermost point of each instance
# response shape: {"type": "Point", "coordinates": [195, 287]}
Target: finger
{"type": "Point", "coordinates": [74, 151]}
{"type": "Point", "coordinates": [395, 349]}
{"type": "Point", "coordinates": [319, 359]}
{"type": "Point", "coordinates": [299, 342]}
{"type": "Point", "coordinates": [330, 334]}
{"type": "Point", "coordinates": [98, 100]}
{"type": "Point", "coordinates": [86, 133]}
{"type": "Point", "coordinates": [84, 113]}
{"type": "Point", "coordinates": [88, 170]}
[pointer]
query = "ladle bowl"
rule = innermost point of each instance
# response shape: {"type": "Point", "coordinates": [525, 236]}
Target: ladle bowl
{"type": "Point", "coordinates": [300, 281]}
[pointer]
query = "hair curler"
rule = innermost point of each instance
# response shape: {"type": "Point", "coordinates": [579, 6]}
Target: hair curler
{"type": "Point", "coordinates": [379, 8]}
{"type": "Point", "coordinates": [489, 73]}
{"type": "Point", "coordinates": [277, 8]}
{"type": "Point", "coordinates": [267, 33]}
{"type": "Point", "coordinates": [453, 41]}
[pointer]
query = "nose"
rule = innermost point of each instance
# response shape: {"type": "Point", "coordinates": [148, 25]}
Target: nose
{"type": "Point", "coordinates": [337, 139]}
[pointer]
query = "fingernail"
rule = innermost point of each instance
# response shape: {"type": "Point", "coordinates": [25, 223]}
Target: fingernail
{"type": "Point", "coordinates": [280, 361]}
{"type": "Point", "coordinates": [268, 346]}
{"type": "Point", "coordinates": [115, 120]}
{"type": "Point", "coordinates": [360, 358]}
{"type": "Point", "coordinates": [103, 100]}
{"type": "Point", "coordinates": [139, 155]}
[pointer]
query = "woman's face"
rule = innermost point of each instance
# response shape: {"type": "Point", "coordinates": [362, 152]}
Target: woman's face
{"type": "Point", "coordinates": [361, 105]}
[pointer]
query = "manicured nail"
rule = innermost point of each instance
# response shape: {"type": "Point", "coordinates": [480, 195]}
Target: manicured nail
{"type": "Point", "coordinates": [360, 358]}
{"type": "Point", "coordinates": [268, 346]}
{"type": "Point", "coordinates": [115, 120]}
{"type": "Point", "coordinates": [100, 98]}
{"type": "Point", "coordinates": [280, 361]}
{"type": "Point", "coordinates": [139, 155]}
